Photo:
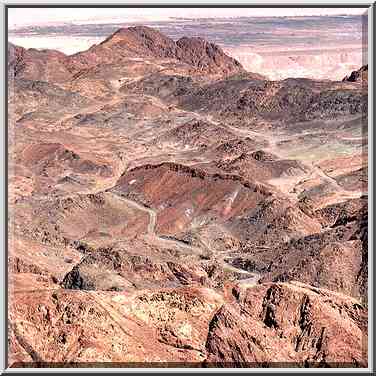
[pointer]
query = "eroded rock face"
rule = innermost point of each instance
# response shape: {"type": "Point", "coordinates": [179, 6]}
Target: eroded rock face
{"type": "Point", "coordinates": [207, 57]}
{"type": "Point", "coordinates": [331, 258]}
{"type": "Point", "coordinates": [290, 100]}
{"type": "Point", "coordinates": [38, 65]}
{"type": "Point", "coordinates": [118, 269]}
{"type": "Point", "coordinates": [166, 327]}
{"type": "Point", "coordinates": [144, 41]}
{"type": "Point", "coordinates": [163, 201]}
{"type": "Point", "coordinates": [168, 188]}
{"type": "Point", "coordinates": [268, 325]}
{"type": "Point", "coordinates": [280, 324]}
{"type": "Point", "coordinates": [360, 75]}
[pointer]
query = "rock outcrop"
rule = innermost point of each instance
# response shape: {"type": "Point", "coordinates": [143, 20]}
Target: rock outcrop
{"type": "Point", "coordinates": [142, 41]}
{"type": "Point", "coordinates": [37, 65]}
{"type": "Point", "coordinates": [167, 208]}
{"type": "Point", "coordinates": [360, 75]}
{"type": "Point", "coordinates": [288, 325]}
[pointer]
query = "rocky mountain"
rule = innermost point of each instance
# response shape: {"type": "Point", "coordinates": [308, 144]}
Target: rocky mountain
{"type": "Point", "coordinates": [207, 57]}
{"type": "Point", "coordinates": [291, 324]}
{"type": "Point", "coordinates": [169, 208]}
{"type": "Point", "coordinates": [37, 65]}
{"type": "Point", "coordinates": [132, 42]}
{"type": "Point", "coordinates": [360, 75]}
{"type": "Point", "coordinates": [142, 41]}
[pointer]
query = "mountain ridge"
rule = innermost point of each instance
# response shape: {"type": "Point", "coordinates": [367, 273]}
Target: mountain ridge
{"type": "Point", "coordinates": [123, 44]}
{"type": "Point", "coordinates": [143, 41]}
{"type": "Point", "coordinates": [153, 182]}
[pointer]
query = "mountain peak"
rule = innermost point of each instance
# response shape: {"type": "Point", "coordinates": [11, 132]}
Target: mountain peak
{"type": "Point", "coordinates": [138, 41]}
{"type": "Point", "coordinates": [144, 41]}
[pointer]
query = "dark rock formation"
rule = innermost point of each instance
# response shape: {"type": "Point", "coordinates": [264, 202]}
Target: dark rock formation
{"type": "Point", "coordinates": [360, 75]}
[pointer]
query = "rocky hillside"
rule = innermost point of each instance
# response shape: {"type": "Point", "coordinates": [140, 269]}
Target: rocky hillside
{"type": "Point", "coordinates": [133, 42]}
{"type": "Point", "coordinates": [169, 208]}
{"type": "Point", "coordinates": [142, 41]}
{"type": "Point", "coordinates": [37, 65]}
{"type": "Point", "coordinates": [360, 75]}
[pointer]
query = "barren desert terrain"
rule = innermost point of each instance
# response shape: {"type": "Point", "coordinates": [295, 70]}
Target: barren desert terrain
{"type": "Point", "coordinates": [168, 207]}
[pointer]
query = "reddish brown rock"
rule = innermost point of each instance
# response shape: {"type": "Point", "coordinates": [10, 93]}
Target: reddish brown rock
{"type": "Point", "coordinates": [38, 65]}
{"type": "Point", "coordinates": [162, 202]}
{"type": "Point", "coordinates": [270, 325]}
{"type": "Point", "coordinates": [144, 41]}
{"type": "Point", "coordinates": [165, 327]}
{"type": "Point", "coordinates": [287, 325]}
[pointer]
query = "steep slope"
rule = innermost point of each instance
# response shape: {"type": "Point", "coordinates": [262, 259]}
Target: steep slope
{"type": "Point", "coordinates": [333, 258]}
{"type": "Point", "coordinates": [163, 203]}
{"type": "Point", "coordinates": [38, 65]}
{"type": "Point", "coordinates": [290, 100]}
{"type": "Point", "coordinates": [142, 41]}
{"type": "Point", "coordinates": [360, 75]}
{"type": "Point", "coordinates": [124, 45]}
{"type": "Point", "coordinates": [150, 328]}
{"type": "Point", "coordinates": [271, 325]}
{"type": "Point", "coordinates": [279, 325]}
{"type": "Point", "coordinates": [207, 57]}
{"type": "Point", "coordinates": [185, 196]}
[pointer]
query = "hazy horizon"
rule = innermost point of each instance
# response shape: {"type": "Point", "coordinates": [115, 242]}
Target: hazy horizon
{"type": "Point", "coordinates": [21, 17]}
{"type": "Point", "coordinates": [321, 47]}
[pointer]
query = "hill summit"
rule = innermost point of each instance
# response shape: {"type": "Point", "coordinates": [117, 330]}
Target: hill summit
{"type": "Point", "coordinates": [143, 41]}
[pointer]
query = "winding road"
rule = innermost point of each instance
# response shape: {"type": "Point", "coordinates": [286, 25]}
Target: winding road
{"type": "Point", "coordinates": [151, 233]}
{"type": "Point", "coordinates": [252, 279]}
